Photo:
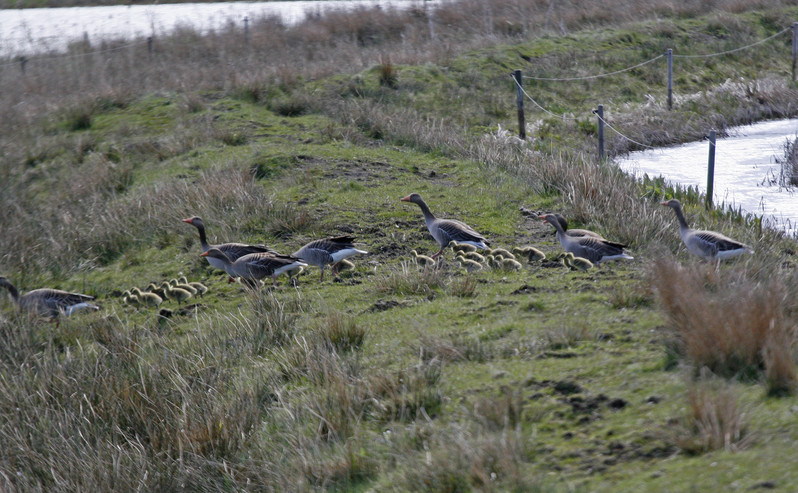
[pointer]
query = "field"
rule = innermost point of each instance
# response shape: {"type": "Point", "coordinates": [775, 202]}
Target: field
{"type": "Point", "coordinates": [661, 373]}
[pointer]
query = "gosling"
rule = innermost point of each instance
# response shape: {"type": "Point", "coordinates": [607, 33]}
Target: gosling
{"type": "Point", "coordinates": [422, 260]}
{"type": "Point", "coordinates": [468, 264]}
{"type": "Point", "coordinates": [531, 253]}
{"type": "Point", "coordinates": [461, 247]}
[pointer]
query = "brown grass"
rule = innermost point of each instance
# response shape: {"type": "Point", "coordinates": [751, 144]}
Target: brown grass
{"type": "Point", "coordinates": [727, 322]}
{"type": "Point", "coordinates": [714, 421]}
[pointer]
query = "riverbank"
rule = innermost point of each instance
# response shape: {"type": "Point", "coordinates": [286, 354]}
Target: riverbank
{"type": "Point", "coordinates": [657, 373]}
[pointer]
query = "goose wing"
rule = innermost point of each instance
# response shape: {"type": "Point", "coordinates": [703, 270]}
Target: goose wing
{"type": "Point", "coordinates": [594, 249]}
{"type": "Point", "coordinates": [460, 232]}
{"type": "Point", "coordinates": [234, 251]}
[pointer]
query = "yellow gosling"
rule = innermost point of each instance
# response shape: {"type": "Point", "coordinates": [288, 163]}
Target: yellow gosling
{"type": "Point", "coordinates": [531, 253]}
{"type": "Point", "coordinates": [187, 287]}
{"type": "Point", "coordinates": [511, 264]}
{"type": "Point", "coordinates": [178, 294]}
{"type": "Point", "coordinates": [504, 253]}
{"type": "Point", "coordinates": [469, 265]}
{"type": "Point", "coordinates": [201, 288]}
{"type": "Point", "coordinates": [422, 260]}
{"type": "Point", "coordinates": [461, 247]}
{"type": "Point", "coordinates": [147, 298]}
{"type": "Point", "coordinates": [578, 263]}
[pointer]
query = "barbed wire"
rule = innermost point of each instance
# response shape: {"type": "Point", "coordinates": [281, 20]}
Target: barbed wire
{"type": "Point", "coordinates": [736, 49]}
{"type": "Point", "coordinates": [594, 76]}
{"type": "Point", "coordinates": [620, 134]}
{"type": "Point", "coordinates": [519, 86]}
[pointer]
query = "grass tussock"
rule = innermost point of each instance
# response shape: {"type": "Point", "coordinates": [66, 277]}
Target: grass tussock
{"type": "Point", "coordinates": [714, 421]}
{"type": "Point", "coordinates": [726, 322]}
{"type": "Point", "coordinates": [408, 279]}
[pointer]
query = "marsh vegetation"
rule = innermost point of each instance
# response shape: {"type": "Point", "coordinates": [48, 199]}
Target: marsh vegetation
{"type": "Point", "coordinates": [663, 372]}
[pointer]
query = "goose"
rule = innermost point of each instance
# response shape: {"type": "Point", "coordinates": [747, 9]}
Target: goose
{"type": "Point", "coordinates": [233, 250]}
{"type": "Point", "coordinates": [174, 293]}
{"type": "Point", "coordinates": [446, 230]}
{"type": "Point", "coordinates": [146, 298]}
{"type": "Point", "coordinates": [48, 302]}
{"type": "Point", "coordinates": [327, 251]}
{"type": "Point", "coordinates": [422, 260]}
{"type": "Point", "coordinates": [596, 250]}
{"type": "Point", "coordinates": [708, 245]}
{"type": "Point", "coordinates": [577, 263]}
{"type": "Point", "coordinates": [503, 253]}
{"type": "Point", "coordinates": [199, 287]}
{"type": "Point", "coordinates": [494, 262]}
{"type": "Point", "coordinates": [255, 266]}
{"type": "Point", "coordinates": [531, 253]}
{"type": "Point", "coordinates": [582, 232]}
{"type": "Point", "coordinates": [177, 284]}
{"type": "Point", "coordinates": [468, 264]}
{"type": "Point", "coordinates": [461, 247]}
{"type": "Point", "coordinates": [471, 256]}
{"type": "Point", "coordinates": [130, 298]}
{"type": "Point", "coordinates": [510, 264]}
{"type": "Point", "coordinates": [344, 265]}
{"type": "Point", "coordinates": [153, 288]}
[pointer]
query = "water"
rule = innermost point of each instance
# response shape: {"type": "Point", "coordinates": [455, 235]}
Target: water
{"type": "Point", "coordinates": [27, 31]}
{"type": "Point", "coordinates": [746, 170]}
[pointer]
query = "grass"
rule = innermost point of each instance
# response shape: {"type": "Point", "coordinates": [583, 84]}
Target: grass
{"type": "Point", "coordinates": [656, 375]}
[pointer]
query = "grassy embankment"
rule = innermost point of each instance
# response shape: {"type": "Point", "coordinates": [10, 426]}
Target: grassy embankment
{"type": "Point", "coordinates": [393, 378]}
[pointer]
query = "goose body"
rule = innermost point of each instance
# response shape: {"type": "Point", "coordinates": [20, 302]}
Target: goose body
{"type": "Point", "coordinates": [48, 302]}
{"type": "Point", "coordinates": [327, 251]}
{"type": "Point", "coordinates": [256, 266]}
{"type": "Point", "coordinates": [708, 245]}
{"type": "Point", "coordinates": [596, 250]}
{"type": "Point", "coordinates": [446, 230]}
{"type": "Point", "coordinates": [578, 233]}
{"type": "Point", "coordinates": [233, 251]}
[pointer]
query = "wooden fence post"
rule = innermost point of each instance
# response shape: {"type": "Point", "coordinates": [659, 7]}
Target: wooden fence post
{"type": "Point", "coordinates": [519, 101]}
{"type": "Point", "coordinates": [600, 114]}
{"type": "Point", "coordinates": [670, 78]}
{"type": "Point", "coordinates": [711, 169]}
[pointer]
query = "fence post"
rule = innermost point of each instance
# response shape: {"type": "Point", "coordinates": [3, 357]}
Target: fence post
{"type": "Point", "coordinates": [519, 101]}
{"type": "Point", "coordinates": [670, 78]}
{"type": "Point", "coordinates": [794, 47]}
{"type": "Point", "coordinates": [23, 60]}
{"type": "Point", "coordinates": [246, 30]}
{"type": "Point", "coordinates": [711, 169]}
{"type": "Point", "coordinates": [600, 114]}
{"type": "Point", "coordinates": [149, 45]}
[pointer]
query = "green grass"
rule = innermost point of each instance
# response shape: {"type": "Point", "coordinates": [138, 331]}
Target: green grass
{"type": "Point", "coordinates": [391, 378]}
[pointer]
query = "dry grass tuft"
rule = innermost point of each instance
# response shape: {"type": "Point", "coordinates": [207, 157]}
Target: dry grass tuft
{"type": "Point", "coordinates": [714, 421]}
{"type": "Point", "coordinates": [409, 279]}
{"type": "Point", "coordinates": [727, 322]}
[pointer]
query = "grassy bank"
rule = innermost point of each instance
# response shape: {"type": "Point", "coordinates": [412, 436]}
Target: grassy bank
{"type": "Point", "coordinates": [659, 374]}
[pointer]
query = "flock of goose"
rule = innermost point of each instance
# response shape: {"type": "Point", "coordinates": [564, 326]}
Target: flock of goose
{"type": "Point", "coordinates": [252, 263]}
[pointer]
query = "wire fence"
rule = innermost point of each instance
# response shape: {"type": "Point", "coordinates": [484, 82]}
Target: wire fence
{"type": "Point", "coordinates": [522, 93]}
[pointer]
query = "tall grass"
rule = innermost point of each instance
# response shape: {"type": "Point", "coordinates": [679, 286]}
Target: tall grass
{"type": "Point", "coordinates": [728, 323]}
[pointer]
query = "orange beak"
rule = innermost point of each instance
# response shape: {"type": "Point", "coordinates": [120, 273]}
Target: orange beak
{"type": "Point", "coordinates": [204, 254]}
{"type": "Point", "coordinates": [187, 220]}
{"type": "Point", "coordinates": [406, 199]}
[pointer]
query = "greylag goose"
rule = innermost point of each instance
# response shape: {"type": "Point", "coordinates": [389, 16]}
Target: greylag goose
{"type": "Point", "coordinates": [596, 250]}
{"type": "Point", "coordinates": [327, 251]}
{"type": "Point", "coordinates": [468, 264]}
{"type": "Point", "coordinates": [256, 266]}
{"type": "Point", "coordinates": [461, 247]}
{"type": "Point", "coordinates": [577, 263]}
{"type": "Point", "coordinates": [583, 232]}
{"type": "Point", "coordinates": [531, 253]}
{"type": "Point", "coordinates": [502, 252]}
{"type": "Point", "coordinates": [48, 302]}
{"type": "Point", "coordinates": [422, 260]}
{"type": "Point", "coordinates": [446, 230]}
{"type": "Point", "coordinates": [705, 244]}
{"type": "Point", "coordinates": [174, 293]}
{"type": "Point", "coordinates": [233, 251]}
{"type": "Point", "coordinates": [146, 297]}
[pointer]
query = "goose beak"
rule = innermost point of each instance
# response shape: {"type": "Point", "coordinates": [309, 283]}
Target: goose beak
{"type": "Point", "coordinates": [406, 199]}
{"type": "Point", "coordinates": [204, 254]}
{"type": "Point", "coordinates": [187, 220]}
{"type": "Point", "coordinates": [664, 203]}
{"type": "Point", "coordinates": [544, 218]}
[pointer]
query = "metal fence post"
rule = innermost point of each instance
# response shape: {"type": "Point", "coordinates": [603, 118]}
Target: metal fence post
{"type": "Point", "coordinates": [670, 78]}
{"type": "Point", "coordinates": [600, 114]}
